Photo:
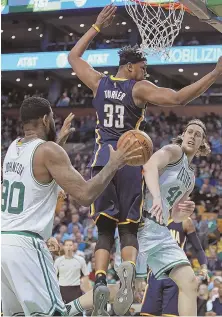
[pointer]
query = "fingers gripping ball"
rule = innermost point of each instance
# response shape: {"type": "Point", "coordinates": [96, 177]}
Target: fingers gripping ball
{"type": "Point", "coordinates": [144, 144]}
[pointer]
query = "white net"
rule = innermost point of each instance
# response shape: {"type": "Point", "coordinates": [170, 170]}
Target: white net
{"type": "Point", "coordinates": [158, 26]}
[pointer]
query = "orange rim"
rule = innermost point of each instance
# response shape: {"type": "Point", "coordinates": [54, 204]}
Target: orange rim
{"type": "Point", "coordinates": [167, 6]}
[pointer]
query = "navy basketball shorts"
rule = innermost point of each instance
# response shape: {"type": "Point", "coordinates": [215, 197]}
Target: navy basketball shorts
{"type": "Point", "coordinates": [160, 298]}
{"type": "Point", "coordinates": [122, 200]}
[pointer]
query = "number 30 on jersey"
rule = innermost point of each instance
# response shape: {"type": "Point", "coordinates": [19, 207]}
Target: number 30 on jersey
{"type": "Point", "coordinates": [114, 116]}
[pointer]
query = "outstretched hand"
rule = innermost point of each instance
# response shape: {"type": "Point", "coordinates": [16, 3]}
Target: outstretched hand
{"type": "Point", "coordinates": [106, 16]}
{"type": "Point", "coordinates": [66, 130]}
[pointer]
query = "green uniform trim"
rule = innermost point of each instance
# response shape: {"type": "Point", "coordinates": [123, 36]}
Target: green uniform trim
{"type": "Point", "coordinates": [31, 168]}
{"type": "Point", "coordinates": [176, 163]}
{"type": "Point", "coordinates": [170, 266]}
{"type": "Point", "coordinates": [55, 305]}
{"type": "Point", "coordinates": [24, 233]}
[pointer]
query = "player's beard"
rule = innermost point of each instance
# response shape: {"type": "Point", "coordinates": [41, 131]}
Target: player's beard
{"type": "Point", "coordinates": [51, 136]}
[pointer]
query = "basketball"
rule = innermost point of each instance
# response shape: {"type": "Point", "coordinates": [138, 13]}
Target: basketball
{"type": "Point", "coordinates": [143, 140]}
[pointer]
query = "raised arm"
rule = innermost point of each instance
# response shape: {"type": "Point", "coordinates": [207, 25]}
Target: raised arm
{"type": "Point", "coordinates": [88, 75]}
{"type": "Point", "coordinates": [159, 160]}
{"type": "Point", "coordinates": [58, 165]}
{"type": "Point", "coordinates": [145, 91]}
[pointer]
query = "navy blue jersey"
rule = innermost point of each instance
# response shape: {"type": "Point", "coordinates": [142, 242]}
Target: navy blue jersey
{"type": "Point", "coordinates": [177, 232]}
{"type": "Point", "coordinates": [116, 114]}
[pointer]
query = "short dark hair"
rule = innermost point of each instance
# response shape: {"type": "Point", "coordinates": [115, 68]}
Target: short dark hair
{"type": "Point", "coordinates": [131, 54]}
{"type": "Point", "coordinates": [34, 108]}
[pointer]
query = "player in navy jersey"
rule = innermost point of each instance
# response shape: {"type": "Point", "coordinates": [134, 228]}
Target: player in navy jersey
{"type": "Point", "coordinates": [120, 103]}
{"type": "Point", "coordinates": [161, 296]}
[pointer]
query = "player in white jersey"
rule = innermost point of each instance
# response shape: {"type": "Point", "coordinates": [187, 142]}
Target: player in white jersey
{"type": "Point", "coordinates": [170, 180]}
{"type": "Point", "coordinates": [33, 170]}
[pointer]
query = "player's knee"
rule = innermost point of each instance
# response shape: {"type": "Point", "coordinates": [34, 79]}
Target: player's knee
{"type": "Point", "coordinates": [185, 279]}
{"type": "Point", "coordinates": [128, 235]}
{"type": "Point", "coordinates": [106, 232]}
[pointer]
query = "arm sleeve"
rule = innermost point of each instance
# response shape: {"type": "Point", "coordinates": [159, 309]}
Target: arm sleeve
{"type": "Point", "coordinates": [195, 242]}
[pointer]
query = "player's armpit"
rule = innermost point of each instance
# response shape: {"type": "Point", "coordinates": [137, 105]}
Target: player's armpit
{"type": "Point", "coordinates": [166, 155]}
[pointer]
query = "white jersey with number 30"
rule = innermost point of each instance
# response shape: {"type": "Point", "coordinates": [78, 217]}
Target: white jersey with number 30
{"type": "Point", "coordinates": [26, 204]}
{"type": "Point", "coordinates": [175, 180]}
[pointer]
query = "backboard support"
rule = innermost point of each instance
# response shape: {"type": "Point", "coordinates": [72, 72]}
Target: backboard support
{"type": "Point", "coordinates": [200, 9]}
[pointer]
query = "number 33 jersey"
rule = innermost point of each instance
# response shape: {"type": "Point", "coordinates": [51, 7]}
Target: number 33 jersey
{"type": "Point", "coordinates": [116, 114]}
{"type": "Point", "coordinates": [26, 204]}
{"type": "Point", "coordinates": [175, 180]}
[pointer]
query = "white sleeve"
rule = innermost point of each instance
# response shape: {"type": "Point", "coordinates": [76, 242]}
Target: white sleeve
{"type": "Point", "coordinates": [84, 268]}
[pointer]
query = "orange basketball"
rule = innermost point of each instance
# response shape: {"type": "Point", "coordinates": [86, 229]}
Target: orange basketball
{"type": "Point", "coordinates": [143, 140]}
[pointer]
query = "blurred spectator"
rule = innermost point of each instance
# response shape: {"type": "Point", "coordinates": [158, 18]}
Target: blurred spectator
{"type": "Point", "coordinates": [217, 303]}
{"type": "Point", "coordinates": [63, 100]}
{"type": "Point", "coordinates": [193, 41]}
{"type": "Point", "coordinates": [63, 231]}
{"type": "Point", "coordinates": [75, 221]}
{"type": "Point", "coordinates": [202, 300]}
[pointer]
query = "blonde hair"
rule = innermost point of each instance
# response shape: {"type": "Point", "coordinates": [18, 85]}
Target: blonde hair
{"type": "Point", "coordinates": [204, 149]}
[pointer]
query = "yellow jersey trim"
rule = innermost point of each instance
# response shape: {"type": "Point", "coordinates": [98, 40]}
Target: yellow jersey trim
{"type": "Point", "coordinates": [140, 119]}
{"type": "Point", "coordinates": [108, 216]}
{"type": "Point", "coordinates": [117, 78]}
{"type": "Point", "coordinates": [98, 138]}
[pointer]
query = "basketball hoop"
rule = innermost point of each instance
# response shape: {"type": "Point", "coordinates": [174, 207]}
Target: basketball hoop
{"type": "Point", "coordinates": [158, 23]}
